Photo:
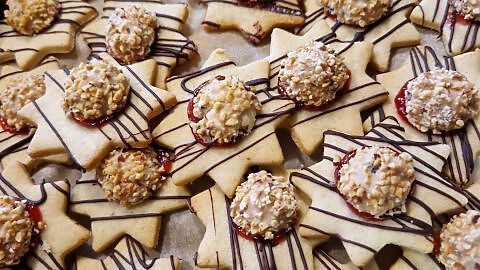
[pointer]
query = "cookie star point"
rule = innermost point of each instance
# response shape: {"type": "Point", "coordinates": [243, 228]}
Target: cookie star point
{"type": "Point", "coordinates": [329, 214]}
{"type": "Point", "coordinates": [58, 133]}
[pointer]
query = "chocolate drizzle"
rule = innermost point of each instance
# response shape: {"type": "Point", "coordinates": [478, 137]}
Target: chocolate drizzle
{"type": "Point", "coordinates": [277, 6]}
{"type": "Point", "coordinates": [460, 164]}
{"type": "Point", "coordinates": [122, 124]}
{"type": "Point", "coordinates": [397, 6]}
{"type": "Point", "coordinates": [451, 28]}
{"type": "Point", "coordinates": [133, 256]}
{"type": "Point", "coordinates": [14, 190]}
{"type": "Point", "coordinates": [265, 253]}
{"type": "Point", "coordinates": [188, 152]}
{"type": "Point", "coordinates": [67, 8]}
{"type": "Point", "coordinates": [94, 201]}
{"type": "Point", "coordinates": [167, 52]}
{"type": "Point", "coordinates": [428, 179]}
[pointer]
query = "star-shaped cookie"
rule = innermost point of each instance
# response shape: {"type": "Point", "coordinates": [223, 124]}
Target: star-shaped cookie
{"type": "Point", "coordinates": [225, 165]}
{"type": "Point", "coordinates": [324, 261]}
{"type": "Point", "coordinates": [128, 254]}
{"type": "Point", "coordinates": [28, 51]}
{"type": "Point", "coordinates": [9, 142]}
{"type": "Point", "coordinates": [61, 235]}
{"type": "Point", "coordinates": [223, 247]}
{"type": "Point", "coordinates": [307, 126]}
{"type": "Point", "coordinates": [170, 47]}
{"type": "Point", "coordinates": [412, 259]}
{"type": "Point", "coordinates": [58, 133]}
{"type": "Point", "coordinates": [330, 215]}
{"type": "Point", "coordinates": [110, 220]}
{"type": "Point", "coordinates": [391, 31]}
{"type": "Point", "coordinates": [465, 142]}
{"type": "Point", "coordinates": [458, 36]}
{"type": "Point", "coordinates": [13, 146]}
{"type": "Point", "coordinates": [253, 20]}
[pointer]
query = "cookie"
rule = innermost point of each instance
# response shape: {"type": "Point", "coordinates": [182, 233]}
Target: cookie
{"type": "Point", "coordinates": [324, 261]}
{"type": "Point", "coordinates": [307, 126]}
{"type": "Point", "coordinates": [224, 247]}
{"type": "Point", "coordinates": [110, 220]}
{"type": "Point", "coordinates": [458, 34]}
{"type": "Point", "coordinates": [128, 254]}
{"type": "Point", "coordinates": [364, 234]}
{"type": "Point", "coordinates": [170, 46]}
{"type": "Point", "coordinates": [61, 235]}
{"type": "Point", "coordinates": [254, 19]}
{"type": "Point", "coordinates": [225, 165]}
{"type": "Point", "coordinates": [411, 259]}
{"type": "Point", "coordinates": [391, 31]}
{"type": "Point", "coordinates": [59, 133]}
{"type": "Point", "coordinates": [13, 144]}
{"type": "Point", "coordinates": [11, 139]}
{"type": "Point", "coordinates": [464, 142]}
{"type": "Point", "coordinates": [28, 51]}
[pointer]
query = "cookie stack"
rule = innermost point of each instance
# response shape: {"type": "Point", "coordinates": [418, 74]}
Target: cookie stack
{"type": "Point", "coordinates": [386, 153]}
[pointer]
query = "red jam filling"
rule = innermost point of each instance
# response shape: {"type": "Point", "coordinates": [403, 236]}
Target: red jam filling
{"type": "Point", "coordinates": [437, 242]}
{"type": "Point", "coordinates": [12, 130]}
{"type": "Point", "coordinates": [99, 122]}
{"type": "Point", "coordinates": [339, 93]}
{"type": "Point", "coordinates": [277, 237]}
{"type": "Point", "coordinates": [165, 160]}
{"type": "Point", "coordinates": [401, 103]}
{"type": "Point", "coordinates": [35, 216]}
{"type": "Point", "coordinates": [194, 119]}
{"type": "Point", "coordinates": [457, 17]}
{"type": "Point", "coordinates": [338, 166]}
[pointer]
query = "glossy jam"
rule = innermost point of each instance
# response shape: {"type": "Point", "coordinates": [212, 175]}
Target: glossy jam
{"type": "Point", "coordinates": [12, 130]}
{"type": "Point", "coordinates": [99, 122]}
{"type": "Point", "coordinates": [338, 166]}
{"type": "Point", "coordinates": [437, 242]}
{"type": "Point", "coordinates": [35, 216]}
{"type": "Point", "coordinates": [456, 17]}
{"type": "Point", "coordinates": [165, 160]}
{"type": "Point", "coordinates": [401, 103]}
{"type": "Point", "coordinates": [277, 237]}
{"type": "Point", "coordinates": [342, 91]}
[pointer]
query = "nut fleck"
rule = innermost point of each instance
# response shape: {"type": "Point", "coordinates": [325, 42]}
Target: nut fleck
{"type": "Point", "coordinates": [130, 176]}
{"type": "Point", "coordinates": [460, 242]}
{"type": "Point", "coordinates": [94, 90]}
{"type": "Point", "coordinates": [264, 205]}
{"type": "Point", "coordinates": [312, 74]}
{"type": "Point", "coordinates": [130, 33]}
{"type": "Point", "coordinates": [226, 110]}
{"type": "Point", "coordinates": [357, 12]}
{"type": "Point", "coordinates": [377, 180]}
{"type": "Point", "coordinates": [30, 17]}
{"type": "Point", "coordinates": [20, 91]}
{"type": "Point", "coordinates": [441, 100]}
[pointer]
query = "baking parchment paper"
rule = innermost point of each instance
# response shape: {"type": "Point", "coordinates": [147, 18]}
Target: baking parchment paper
{"type": "Point", "coordinates": [181, 232]}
